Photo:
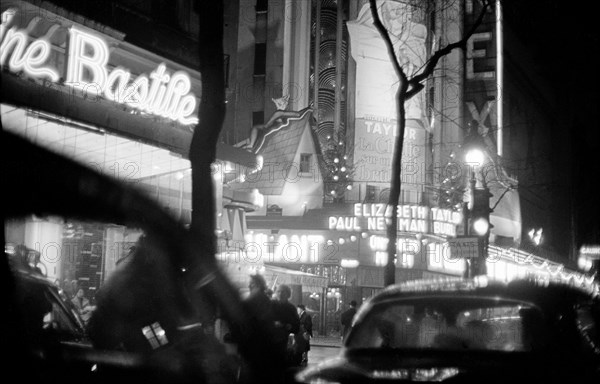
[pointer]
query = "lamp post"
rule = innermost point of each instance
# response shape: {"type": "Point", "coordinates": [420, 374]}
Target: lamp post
{"type": "Point", "coordinates": [478, 223]}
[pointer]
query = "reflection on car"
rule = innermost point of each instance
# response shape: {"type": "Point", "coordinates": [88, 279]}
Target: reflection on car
{"type": "Point", "coordinates": [471, 330]}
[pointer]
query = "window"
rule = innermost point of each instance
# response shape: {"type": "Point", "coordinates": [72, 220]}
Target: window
{"type": "Point", "coordinates": [305, 159]}
{"type": "Point", "coordinates": [260, 59]}
{"type": "Point", "coordinates": [371, 195]}
{"type": "Point", "coordinates": [274, 210]}
{"type": "Point", "coordinates": [258, 117]}
{"type": "Point", "coordinates": [226, 59]}
{"type": "Point", "coordinates": [449, 324]}
{"type": "Point", "coordinates": [262, 5]}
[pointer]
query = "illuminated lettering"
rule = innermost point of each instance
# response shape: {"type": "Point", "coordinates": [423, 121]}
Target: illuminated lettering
{"type": "Point", "coordinates": [24, 58]}
{"type": "Point", "coordinates": [186, 107]}
{"type": "Point", "coordinates": [473, 54]}
{"type": "Point", "coordinates": [368, 210]}
{"type": "Point", "coordinates": [445, 229]}
{"type": "Point", "coordinates": [376, 223]}
{"type": "Point", "coordinates": [304, 248]}
{"type": "Point", "coordinates": [159, 93]}
{"type": "Point", "coordinates": [344, 223]}
{"type": "Point", "coordinates": [89, 52]}
{"type": "Point", "coordinates": [137, 92]}
{"type": "Point", "coordinates": [121, 76]}
{"type": "Point", "coordinates": [378, 243]}
{"type": "Point", "coordinates": [411, 218]}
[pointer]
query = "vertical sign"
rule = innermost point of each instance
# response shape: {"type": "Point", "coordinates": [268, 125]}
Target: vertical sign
{"type": "Point", "coordinates": [480, 89]}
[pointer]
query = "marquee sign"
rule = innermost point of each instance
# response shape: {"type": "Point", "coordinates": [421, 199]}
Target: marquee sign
{"type": "Point", "coordinates": [411, 218]}
{"type": "Point", "coordinates": [86, 66]}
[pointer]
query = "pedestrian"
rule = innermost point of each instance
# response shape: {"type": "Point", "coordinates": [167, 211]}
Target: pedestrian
{"type": "Point", "coordinates": [83, 306]}
{"type": "Point", "coordinates": [287, 324]}
{"type": "Point", "coordinates": [273, 318]}
{"type": "Point", "coordinates": [346, 319]}
{"type": "Point", "coordinates": [74, 289]}
{"type": "Point", "coordinates": [305, 334]}
{"type": "Point", "coordinates": [258, 299]}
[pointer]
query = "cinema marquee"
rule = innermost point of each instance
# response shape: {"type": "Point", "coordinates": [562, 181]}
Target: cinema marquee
{"type": "Point", "coordinates": [411, 218]}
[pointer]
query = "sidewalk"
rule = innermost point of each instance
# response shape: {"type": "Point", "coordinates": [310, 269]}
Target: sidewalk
{"type": "Point", "coordinates": [323, 341]}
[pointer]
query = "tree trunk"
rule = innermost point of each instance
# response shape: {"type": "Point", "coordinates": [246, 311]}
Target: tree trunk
{"type": "Point", "coordinates": [389, 276]}
{"type": "Point", "coordinates": [206, 133]}
{"type": "Point", "coordinates": [408, 88]}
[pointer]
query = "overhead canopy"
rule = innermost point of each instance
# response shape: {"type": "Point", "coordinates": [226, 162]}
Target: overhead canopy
{"type": "Point", "coordinates": [239, 273]}
{"type": "Point", "coordinates": [278, 275]}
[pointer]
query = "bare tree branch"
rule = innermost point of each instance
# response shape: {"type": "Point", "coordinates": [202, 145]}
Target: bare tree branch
{"type": "Point", "coordinates": [388, 42]}
{"type": "Point", "coordinates": [402, 95]}
{"type": "Point", "coordinates": [415, 82]}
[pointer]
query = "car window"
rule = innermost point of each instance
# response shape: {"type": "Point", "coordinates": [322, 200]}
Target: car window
{"type": "Point", "coordinates": [59, 318]}
{"type": "Point", "coordinates": [451, 323]}
{"type": "Point", "coordinates": [76, 260]}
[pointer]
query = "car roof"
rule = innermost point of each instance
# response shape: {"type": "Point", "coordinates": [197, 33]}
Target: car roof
{"type": "Point", "coordinates": [544, 293]}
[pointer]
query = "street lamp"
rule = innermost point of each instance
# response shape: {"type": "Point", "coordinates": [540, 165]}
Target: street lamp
{"type": "Point", "coordinates": [475, 158]}
{"type": "Point", "coordinates": [478, 223]}
{"type": "Point", "coordinates": [481, 226]}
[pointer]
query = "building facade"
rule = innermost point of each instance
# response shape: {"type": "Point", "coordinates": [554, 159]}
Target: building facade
{"type": "Point", "coordinates": [311, 82]}
{"type": "Point", "coordinates": [326, 55]}
{"type": "Point", "coordinates": [80, 88]}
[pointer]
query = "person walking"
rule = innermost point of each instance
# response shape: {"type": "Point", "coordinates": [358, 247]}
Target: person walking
{"type": "Point", "coordinates": [346, 319]}
{"type": "Point", "coordinates": [305, 333]}
{"type": "Point", "coordinates": [287, 323]}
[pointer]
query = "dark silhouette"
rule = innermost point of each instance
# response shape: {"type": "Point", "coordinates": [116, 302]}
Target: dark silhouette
{"type": "Point", "coordinates": [287, 322]}
{"type": "Point", "coordinates": [306, 333]}
{"type": "Point", "coordinates": [259, 301]}
{"type": "Point", "coordinates": [346, 319]}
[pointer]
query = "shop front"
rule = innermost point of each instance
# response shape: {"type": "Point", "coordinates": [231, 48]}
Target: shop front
{"type": "Point", "coordinates": [79, 89]}
{"type": "Point", "coordinates": [347, 244]}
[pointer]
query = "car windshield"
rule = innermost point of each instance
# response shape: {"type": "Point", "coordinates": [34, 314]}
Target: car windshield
{"type": "Point", "coordinates": [448, 323]}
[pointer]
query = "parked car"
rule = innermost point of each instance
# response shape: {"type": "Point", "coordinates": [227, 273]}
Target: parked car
{"type": "Point", "coordinates": [150, 322]}
{"type": "Point", "coordinates": [56, 317]}
{"type": "Point", "coordinates": [470, 330]}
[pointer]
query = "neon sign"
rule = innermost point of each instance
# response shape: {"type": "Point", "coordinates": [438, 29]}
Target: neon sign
{"type": "Point", "coordinates": [159, 93]}
{"type": "Point", "coordinates": [411, 218]}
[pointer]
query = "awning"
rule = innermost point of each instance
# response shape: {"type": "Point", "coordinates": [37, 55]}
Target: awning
{"type": "Point", "coordinates": [278, 275]}
{"type": "Point", "coordinates": [239, 274]}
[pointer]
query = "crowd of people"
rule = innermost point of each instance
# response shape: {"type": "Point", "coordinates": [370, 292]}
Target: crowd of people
{"type": "Point", "coordinates": [292, 325]}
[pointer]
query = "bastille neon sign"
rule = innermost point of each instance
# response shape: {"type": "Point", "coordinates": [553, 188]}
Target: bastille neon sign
{"type": "Point", "coordinates": [160, 93]}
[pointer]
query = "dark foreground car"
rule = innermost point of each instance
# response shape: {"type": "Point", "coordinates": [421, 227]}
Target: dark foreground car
{"type": "Point", "coordinates": [43, 309]}
{"type": "Point", "coordinates": [470, 331]}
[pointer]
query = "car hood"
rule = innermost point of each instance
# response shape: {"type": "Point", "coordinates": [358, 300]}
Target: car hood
{"type": "Point", "coordinates": [426, 366]}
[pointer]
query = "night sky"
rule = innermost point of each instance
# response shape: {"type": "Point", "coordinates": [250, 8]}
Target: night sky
{"type": "Point", "coordinates": [564, 39]}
